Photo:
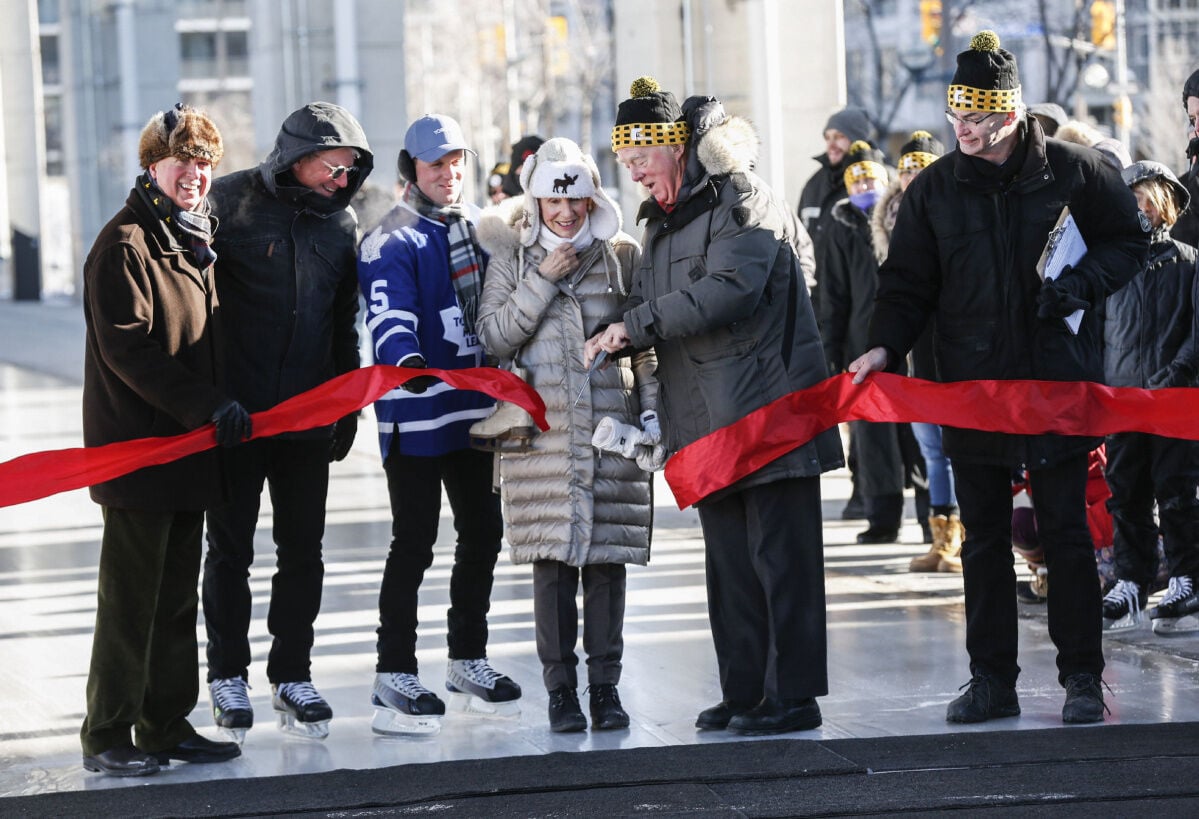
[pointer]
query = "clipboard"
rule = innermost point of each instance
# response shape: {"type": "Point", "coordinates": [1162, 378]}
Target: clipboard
{"type": "Point", "coordinates": [1064, 247]}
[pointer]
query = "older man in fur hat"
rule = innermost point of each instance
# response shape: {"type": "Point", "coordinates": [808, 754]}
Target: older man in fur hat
{"type": "Point", "coordinates": [964, 252]}
{"type": "Point", "coordinates": [150, 369]}
{"type": "Point", "coordinates": [720, 296]}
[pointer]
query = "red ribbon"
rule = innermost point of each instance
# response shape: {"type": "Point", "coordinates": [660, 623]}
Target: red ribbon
{"type": "Point", "coordinates": [41, 474]}
{"type": "Point", "coordinates": [1020, 407]}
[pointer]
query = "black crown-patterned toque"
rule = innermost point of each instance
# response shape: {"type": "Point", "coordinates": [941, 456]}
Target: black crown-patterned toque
{"type": "Point", "coordinates": [986, 78]}
{"type": "Point", "coordinates": [650, 116]}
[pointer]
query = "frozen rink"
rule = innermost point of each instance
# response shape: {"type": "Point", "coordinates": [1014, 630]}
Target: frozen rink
{"type": "Point", "coordinates": [896, 640]}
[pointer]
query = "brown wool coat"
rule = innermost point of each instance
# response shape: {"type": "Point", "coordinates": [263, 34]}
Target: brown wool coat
{"type": "Point", "coordinates": [150, 366]}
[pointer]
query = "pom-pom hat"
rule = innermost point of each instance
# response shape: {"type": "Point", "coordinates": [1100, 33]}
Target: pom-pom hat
{"type": "Point", "coordinates": [650, 116]}
{"type": "Point", "coordinates": [986, 78]}
{"type": "Point", "coordinates": [181, 132]}
{"type": "Point", "coordinates": [864, 161]}
{"type": "Point", "coordinates": [920, 151]}
{"type": "Point", "coordinates": [561, 169]}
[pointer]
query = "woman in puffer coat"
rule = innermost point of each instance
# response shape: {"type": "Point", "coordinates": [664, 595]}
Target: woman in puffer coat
{"type": "Point", "coordinates": [1150, 341]}
{"type": "Point", "coordinates": [559, 267]}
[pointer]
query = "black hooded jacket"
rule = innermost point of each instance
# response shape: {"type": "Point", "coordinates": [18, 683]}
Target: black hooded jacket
{"type": "Point", "coordinates": [286, 268]}
{"type": "Point", "coordinates": [964, 250]}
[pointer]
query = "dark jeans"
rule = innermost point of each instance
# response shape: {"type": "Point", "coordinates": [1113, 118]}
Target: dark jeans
{"type": "Point", "coordinates": [1140, 469]}
{"type": "Point", "coordinates": [1074, 607]}
{"type": "Point", "coordinates": [144, 673]}
{"type": "Point", "coordinates": [556, 616]}
{"type": "Point", "coordinates": [414, 484]}
{"type": "Point", "coordinates": [297, 475]}
{"type": "Point", "coordinates": [764, 551]}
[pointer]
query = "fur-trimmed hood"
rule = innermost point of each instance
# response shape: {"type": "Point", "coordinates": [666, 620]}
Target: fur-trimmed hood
{"type": "Point", "coordinates": [500, 226]}
{"type": "Point", "coordinates": [732, 146]}
{"type": "Point", "coordinates": [882, 219]}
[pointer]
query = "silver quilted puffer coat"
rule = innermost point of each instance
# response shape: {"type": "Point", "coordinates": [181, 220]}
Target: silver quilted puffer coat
{"type": "Point", "coordinates": [566, 500]}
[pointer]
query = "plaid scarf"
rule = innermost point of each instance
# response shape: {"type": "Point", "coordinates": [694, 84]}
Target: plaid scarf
{"type": "Point", "coordinates": [193, 228]}
{"type": "Point", "coordinates": [466, 257]}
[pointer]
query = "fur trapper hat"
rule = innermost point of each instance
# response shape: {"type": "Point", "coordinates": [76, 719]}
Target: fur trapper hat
{"type": "Point", "coordinates": [561, 169]}
{"type": "Point", "coordinates": [986, 78]}
{"type": "Point", "coordinates": [182, 132]}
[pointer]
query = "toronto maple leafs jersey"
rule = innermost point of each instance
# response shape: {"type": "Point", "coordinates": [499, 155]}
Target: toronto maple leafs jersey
{"type": "Point", "coordinates": [403, 270]}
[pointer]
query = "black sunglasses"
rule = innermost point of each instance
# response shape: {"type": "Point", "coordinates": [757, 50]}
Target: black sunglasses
{"type": "Point", "coordinates": [336, 171]}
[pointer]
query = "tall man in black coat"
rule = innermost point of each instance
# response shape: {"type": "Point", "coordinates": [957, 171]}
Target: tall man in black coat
{"type": "Point", "coordinates": [1186, 229]}
{"type": "Point", "coordinates": [965, 248]}
{"type": "Point", "coordinates": [286, 274]}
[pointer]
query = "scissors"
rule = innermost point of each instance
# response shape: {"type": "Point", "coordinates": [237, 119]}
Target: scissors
{"type": "Point", "coordinates": [600, 358]}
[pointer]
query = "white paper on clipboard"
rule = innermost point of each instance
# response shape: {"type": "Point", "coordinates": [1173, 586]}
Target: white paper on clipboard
{"type": "Point", "coordinates": [1064, 247]}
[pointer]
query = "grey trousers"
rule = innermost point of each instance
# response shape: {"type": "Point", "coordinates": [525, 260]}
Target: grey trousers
{"type": "Point", "coordinates": [556, 614]}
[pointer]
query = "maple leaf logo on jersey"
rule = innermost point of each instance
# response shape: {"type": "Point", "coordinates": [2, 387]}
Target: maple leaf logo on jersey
{"type": "Point", "coordinates": [373, 243]}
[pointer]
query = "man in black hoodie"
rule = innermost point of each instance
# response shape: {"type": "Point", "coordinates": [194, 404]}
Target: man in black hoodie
{"type": "Point", "coordinates": [286, 276]}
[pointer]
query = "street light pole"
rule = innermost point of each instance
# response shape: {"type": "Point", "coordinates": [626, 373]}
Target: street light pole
{"type": "Point", "coordinates": [1122, 105]}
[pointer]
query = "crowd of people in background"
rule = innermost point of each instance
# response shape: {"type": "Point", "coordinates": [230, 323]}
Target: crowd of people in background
{"type": "Point", "coordinates": [208, 300]}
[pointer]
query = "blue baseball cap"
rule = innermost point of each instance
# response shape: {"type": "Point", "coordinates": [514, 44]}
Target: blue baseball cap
{"type": "Point", "coordinates": [433, 136]}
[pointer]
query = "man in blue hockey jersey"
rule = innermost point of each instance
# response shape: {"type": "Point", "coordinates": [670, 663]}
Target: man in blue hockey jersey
{"type": "Point", "coordinates": [421, 272]}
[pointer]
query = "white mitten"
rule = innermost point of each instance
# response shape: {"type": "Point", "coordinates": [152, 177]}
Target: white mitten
{"type": "Point", "coordinates": [612, 436]}
{"type": "Point", "coordinates": [651, 458]}
{"type": "Point", "coordinates": [651, 427]}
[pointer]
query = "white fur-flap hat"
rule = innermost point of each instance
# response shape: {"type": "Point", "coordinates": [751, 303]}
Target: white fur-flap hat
{"type": "Point", "coordinates": [561, 169]}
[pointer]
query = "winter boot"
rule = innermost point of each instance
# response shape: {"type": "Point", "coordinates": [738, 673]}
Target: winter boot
{"type": "Point", "coordinates": [945, 553]}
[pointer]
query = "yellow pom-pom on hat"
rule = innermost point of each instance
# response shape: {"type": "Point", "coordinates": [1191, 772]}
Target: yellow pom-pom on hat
{"type": "Point", "coordinates": [986, 78]}
{"type": "Point", "coordinates": [650, 116]}
{"type": "Point", "coordinates": [985, 40]}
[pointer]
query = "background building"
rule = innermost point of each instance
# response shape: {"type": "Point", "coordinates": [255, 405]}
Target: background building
{"type": "Point", "coordinates": [81, 77]}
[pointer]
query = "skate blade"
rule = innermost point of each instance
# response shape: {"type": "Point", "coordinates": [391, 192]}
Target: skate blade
{"type": "Point", "coordinates": [1125, 623]}
{"type": "Point", "coordinates": [394, 724]}
{"type": "Point", "coordinates": [1176, 625]}
{"type": "Point", "coordinates": [503, 445]}
{"type": "Point", "coordinates": [470, 705]}
{"type": "Point", "coordinates": [237, 735]}
{"type": "Point", "coordinates": [288, 724]}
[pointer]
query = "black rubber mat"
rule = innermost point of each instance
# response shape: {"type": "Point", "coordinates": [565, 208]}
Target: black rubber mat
{"type": "Point", "coordinates": [1096, 771]}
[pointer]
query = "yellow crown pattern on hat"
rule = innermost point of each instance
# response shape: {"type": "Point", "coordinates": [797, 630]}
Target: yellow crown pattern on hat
{"type": "Point", "coordinates": [638, 134]}
{"type": "Point", "coordinates": [865, 169]}
{"type": "Point", "coordinates": [991, 100]}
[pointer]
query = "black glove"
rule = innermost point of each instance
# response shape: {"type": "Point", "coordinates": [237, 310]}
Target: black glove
{"type": "Point", "coordinates": [1056, 301]}
{"type": "Point", "coordinates": [1170, 375]}
{"type": "Point", "coordinates": [420, 383]}
{"type": "Point", "coordinates": [233, 423]}
{"type": "Point", "coordinates": [343, 437]}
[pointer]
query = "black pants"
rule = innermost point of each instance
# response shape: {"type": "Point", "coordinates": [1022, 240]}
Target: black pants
{"type": "Point", "coordinates": [556, 615]}
{"type": "Point", "coordinates": [765, 571]}
{"type": "Point", "coordinates": [144, 674]}
{"type": "Point", "coordinates": [297, 474]}
{"type": "Point", "coordinates": [880, 471]}
{"type": "Point", "coordinates": [1074, 607]}
{"type": "Point", "coordinates": [414, 485]}
{"type": "Point", "coordinates": [1140, 469]}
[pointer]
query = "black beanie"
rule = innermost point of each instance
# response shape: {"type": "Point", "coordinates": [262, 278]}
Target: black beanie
{"type": "Point", "coordinates": [920, 151]}
{"type": "Point", "coordinates": [1190, 88]}
{"type": "Point", "coordinates": [864, 161]}
{"type": "Point", "coordinates": [986, 78]}
{"type": "Point", "coordinates": [650, 116]}
{"type": "Point", "coordinates": [522, 149]}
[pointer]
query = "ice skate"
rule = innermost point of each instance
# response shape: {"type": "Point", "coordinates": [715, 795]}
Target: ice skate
{"type": "Point", "coordinates": [231, 710]}
{"type": "Point", "coordinates": [1178, 612]}
{"type": "Point", "coordinates": [477, 688]}
{"type": "Point", "coordinates": [508, 429]}
{"type": "Point", "coordinates": [404, 707]}
{"type": "Point", "coordinates": [1124, 606]}
{"type": "Point", "coordinates": [300, 710]}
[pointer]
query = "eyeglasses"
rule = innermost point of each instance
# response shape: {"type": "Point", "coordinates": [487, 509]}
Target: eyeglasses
{"type": "Point", "coordinates": [337, 171]}
{"type": "Point", "coordinates": [952, 119]}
